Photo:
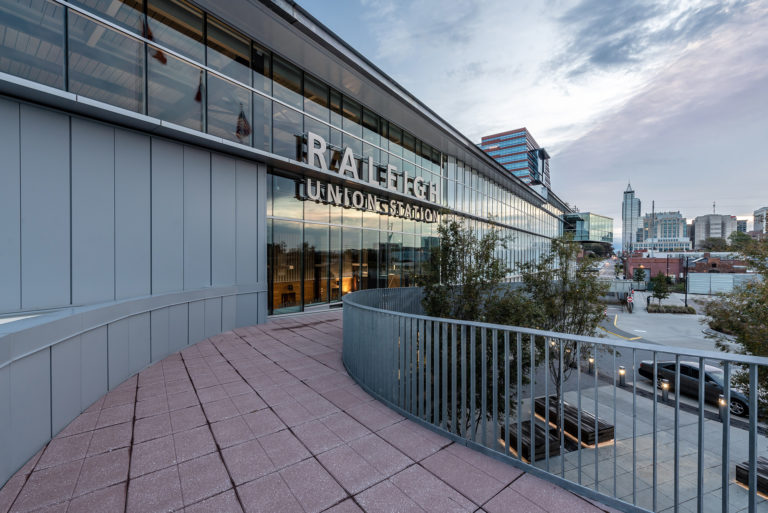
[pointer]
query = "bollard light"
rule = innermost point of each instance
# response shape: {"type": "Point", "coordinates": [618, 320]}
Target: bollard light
{"type": "Point", "coordinates": [721, 406]}
{"type": "Point", "coordinates": [591, 365]}
{"type": "Point", "coordinates": [622, 376]}
{"type": "Point", "coordinates": [665, 390]}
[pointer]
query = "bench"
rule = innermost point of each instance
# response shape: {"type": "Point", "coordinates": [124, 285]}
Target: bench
{"type": "Point", "coordinates": [742, 475]}
{"type": "Point", "coordinates": [605, 431]}
{"type": "Point", "coordinates": [539, 441]}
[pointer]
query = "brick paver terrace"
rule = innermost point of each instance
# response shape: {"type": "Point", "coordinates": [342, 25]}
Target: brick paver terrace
{"type": "Point", "coordinates": [264, 419]}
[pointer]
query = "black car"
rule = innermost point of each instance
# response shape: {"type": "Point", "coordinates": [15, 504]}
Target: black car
{"type": "Point", "coordinates": [689, 382]}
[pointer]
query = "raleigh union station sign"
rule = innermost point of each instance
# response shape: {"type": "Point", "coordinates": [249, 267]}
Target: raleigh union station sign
{"type": "Point", "coordinates": [384, 177]}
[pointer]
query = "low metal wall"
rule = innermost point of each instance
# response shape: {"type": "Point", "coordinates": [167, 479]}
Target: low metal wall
{"type": "Point", "coordinates": [53, 365]}
{"type": "Point", "coordinates": [478, 384]}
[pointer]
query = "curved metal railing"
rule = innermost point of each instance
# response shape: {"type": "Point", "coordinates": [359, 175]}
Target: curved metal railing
{"type": "Point", "coordinates": [600, 428]}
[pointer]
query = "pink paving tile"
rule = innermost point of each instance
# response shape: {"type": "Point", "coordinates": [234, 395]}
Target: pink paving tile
{"type": "Point", "coordinates": [193, 443]}
{"type": "Point", "coordinates": [48, 486]}
{"type": "Point", "coordinates": [179, 386]}
{"type": "Point", "coordinates": [344, 426]}
{"type": "Point", "coordinates": [156, 492]}
{"type": "Point", "coordinates": [153, 455]}
{"type": "Point", "coordinates": [413, 440]}
{"type": "Point", "coordinates": [115, 415]}
{"type": "Point", "coordinates": [96, 405]}
{"type": "Point", "coordinates": [263, 422]}
{"type": "Point", "coordinates": [237, 388]}
{"type": "Point", "coordinates": [386, 497]}
{"type": "Point", "coordinates": [63, 450]}
{"type": "Point", "coordinates": [151, 427]}
{"type": "Point", "coordinates": [343, 398]}
{"type": "Point", "coordinates": [430, 493]}
{"type": "Point", "coordinates": [268, 495]}
{"type": "Point", "coordinates": [384, 457]}
{"type": "Point", "coordinates": [497, 469]}
{"type": "Point", "coordinates": [111, 438]}
{"type": "Point", "coordinates": [350, 469]}
{"type": "Point", "coordinates": [247, 462]}
{"type": "Point", "coordinates": [549, 496]}
{"type": "Point", "coordinates": [283, 448]}
{"type": "Point", "coordinates": [188, 418]}
{"type": "Point", "coordinates": [373, 415]}
{"type": "Point", "coordinates": [312, 486]}
{"type": "Point", "coordinates": [223, 503]}
{"type": "Point", "coordinates": [275, 395]}
{"type": "Point", "coordinates": [152, 406]}
{"type": "Point", "coordinates": [103, 470]}
{"type": "Point", "coordinates": [509, 501]}
{"type": "Point", "coordinates": [247, 403]}
{"type": "Point", "coordinates": [153, 390]}
{"type": "Point", "coordinates": [182, 400]}
{"type": "Point", "coordinates": [231, 432]}
{"type": "Point", "coordinates": [9, 492]}
{"type": "Point", "coordinates": [106, 499]}
{"type": "Point", "coordinates": [348, 506]}
{"type": "Point", "coordinates": [220, 410]}
{"type": "Point", "coordinates": [82, 423]}
{"type": "Point", "coordinates": [317, 437]}
{"type": "Point", "coordinates": [292, 413]}
{"type": "Point", "coordinates": [30, 465]}
{"type": "Point", "coordinates": [214, 393]}
{"type": "Point", "coordinates": [203, 477]}
{"type": "Point", "coordinates": [117, 397]}
{"type": "Point", "coordinates": [476, 485]}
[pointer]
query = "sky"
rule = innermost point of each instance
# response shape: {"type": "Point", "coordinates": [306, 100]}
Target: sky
{"type": "Point", "coordinates": [670, 95]}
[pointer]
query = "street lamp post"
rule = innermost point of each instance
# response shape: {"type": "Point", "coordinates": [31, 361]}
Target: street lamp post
{"type": "Point", "coordinates": [686, 282]}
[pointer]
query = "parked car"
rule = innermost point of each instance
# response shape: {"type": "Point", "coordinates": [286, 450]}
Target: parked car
{"type": "Point", "coordinates": [689, 382]}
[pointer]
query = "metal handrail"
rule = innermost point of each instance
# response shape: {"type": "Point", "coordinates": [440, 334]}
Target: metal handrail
{"type": "Point", "coordinates": [437, 371]}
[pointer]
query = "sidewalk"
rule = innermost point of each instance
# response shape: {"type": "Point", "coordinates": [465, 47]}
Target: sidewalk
{"type": "Point", "coordinates": [264, 419]}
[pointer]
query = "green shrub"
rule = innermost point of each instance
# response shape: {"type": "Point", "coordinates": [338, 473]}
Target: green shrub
{"type": "Point", "coordinates": [671, 309]}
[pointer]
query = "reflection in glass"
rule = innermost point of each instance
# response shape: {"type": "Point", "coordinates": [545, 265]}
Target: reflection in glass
{"type": "Point", "coordinates": [105, 65]}
{"type": "Point", "coordinates": [287, 82]}
{"type": "Point", "coordinates": [315, 210]}
{"type": "Point", "coordinates": [284, 201]}
{"type": "Point", "coordinates": [229, 108]}
{"type": "Point", "coordinates": [316, 263]}
{"type": "Point", "coordinates": [352, 122]}
{"type": "Point", "coordinates": [395, 267]}
{"type": "Point", "coordinates": [228, 51]}
{"type": "Point", "coordinates": [32, 41]}
{"type": "Point", "coordinates": [335, 263]}
{"type": "Point", "coordinates": [286, 258]}
{"type": "Point", "coordinates": [316, 98]}
{"type": "Point", "coordinates": [370, 260]}
{"type": "Point", "coordinates": [262, 123]}
{"type": "Point", "coordinates": [177, 25]}
{"type": "Point", "coordinates": [286, 131]}
{"type": "Point", "coordinates": [176, 91]}
{"type": "Point", "coordinates": [261, 62]}
{"type": "Point", "coordinates": [126, 13]}
{"type": "Point", "coordinates": [351, 270]}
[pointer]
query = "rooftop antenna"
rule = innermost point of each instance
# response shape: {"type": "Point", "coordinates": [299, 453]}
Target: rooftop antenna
{"type": "Point", "coordinates": [713, 207]}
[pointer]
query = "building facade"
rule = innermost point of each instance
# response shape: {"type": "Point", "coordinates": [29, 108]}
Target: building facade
{"type": "Point", "coordinates": [519, 153]}
{"type": "Point", "coordinates": [712, 226]}
{"type": "Point", "coordinates": [741, 225]}
{"type": "Point", "coordinates": [193, 145]}
{"type": "Point", "coordinates": [760, 221]}
{"type": "Point", "coordinates": [664, 225]}
{"type": "Point", "coordinates": [664, 244]}
{"type": "Point", "coordinates": [589, 227]}
{"type": "Point", "coordinates": [631, 221]}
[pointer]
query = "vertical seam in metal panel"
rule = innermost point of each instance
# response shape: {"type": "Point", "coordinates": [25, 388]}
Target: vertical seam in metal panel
{"type": "Point", "coordinates": [21, 233]}
{"type": "Point", "coordinates": [71, 241]}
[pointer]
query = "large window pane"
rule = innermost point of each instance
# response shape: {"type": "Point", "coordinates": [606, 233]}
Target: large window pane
{"type": "Point", "coordinates": [284, 202]}
{"type": "Point", "coordinates": [316, 98]}
{"type": "Point", "coordinates": [287, 82]}
{"type": "Point", "coordinates": [176, 90]}
{"type": "Point", "coordinates": [105, 65]}
{"type": "Point", "coordinates": [286, 259]}
{"type": "Point", "coordinates": [394, 248]}
{"type": "Point", "coordinates": [351, 272]}
{"type": "Point", "coordinates": [229, 51]}
{"type": "Point", "coordinates": [261, 62]}
{"type": "Point", "coordinates": [353, 116]}
{"type": "Point", "coordinates": [32, 40]}
{"type": "Point", "coordinates": [126, 13]}
{"type": "Point", "coordinates": [370, 261]}
{"type": "Point", "coordinates": [262, 122]}
{"type": "Point", "coordinates": [177, 25]}
{"type": "Point", "coordinates": [335, 263]}
{"type": "Point", "coordinates": [316, 263]}
{"type": "Point", "coordinates": [286, 131]}
{"type": "Point", "coordinates": [229, 108]}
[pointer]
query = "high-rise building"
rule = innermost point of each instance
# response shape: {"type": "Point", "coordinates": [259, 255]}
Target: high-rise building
{"type": "Point", "coordinates": [631, 222]}
{"type": "Point", "coordinates": [761, 220]}
{"type": "Point", "coordinates": [589, 227]}
{"type": "Point", "coordinates": [712, 226]}
{"type": "Point", "coordinates": [741, 225]}
{"type": "Point", "coordinates": [664, 225]}
{"type": "Point", "coordinates": [520, 154]}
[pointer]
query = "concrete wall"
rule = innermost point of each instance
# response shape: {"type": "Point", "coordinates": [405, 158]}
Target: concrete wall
{"type": "Point", "coordinates": [133, 245]}
{"type": "Point", "coordinates": [92, 213]}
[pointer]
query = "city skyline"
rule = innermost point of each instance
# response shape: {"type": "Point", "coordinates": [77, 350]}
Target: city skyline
{"type": "Point", "coordinates": [630, 93]}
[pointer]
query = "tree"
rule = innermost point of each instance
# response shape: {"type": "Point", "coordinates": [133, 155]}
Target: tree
{"type": "Point", "coordinates": [714, 244]}
{"type": "Point", "coordinates": [618, 269]}
{"type": "Point", "coordinates": [743, 315]}
{"type": "Point", "coordinates": [739, 241]}
{"type": "Point", "coordinates": [660, 287]}
{"type": "Point", "coordinates": [638, 274]}
{"type": "Point", "coordinates": [558, 294]}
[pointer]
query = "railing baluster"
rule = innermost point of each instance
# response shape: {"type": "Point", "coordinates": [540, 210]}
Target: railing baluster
{"type": "Point", "coordinates": [444, 381]}
{"type": "Point", "coordinates": [483, 386]}
{"type": "Point", "coordinates": [464, 417]}
{"type": "Point", "coordinates": [436, 372]}
{"type": "Point", "coordinates": [561, 420]}
{"type": "Point", "coordinates": [532, 430]}
{"type": "Point", "coordinates": [634, 426]}
{"type": "Point", "coordinates": [472, 379]}
{"type": "Point", "coordinates": [546, 404]}
{"type": "Point", "coordinates": [677, 433]}
{"type": "Point", "coordinates": [752, 438]}
{"type": "Point", "coordinates": [615, 491]}
{"type": "Point", "coordinates": [700, 444]}
{"type": "Point", "coordinates": [578, 414]}
{"type": "Point", "coordinates": [454, 380]}
{"type": "Point", "coordinates": [655, 450]}
{"type": "Point", "coordinates": [518, 393]}
{"type": "Point", "coordinates": [597, 460]}
{"type": "Point", "coordinates": [495, 388]}
{"type": "Point", "coordinates": [401, 365]}
{"type": "Point", "coordinates": [725, 465]}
